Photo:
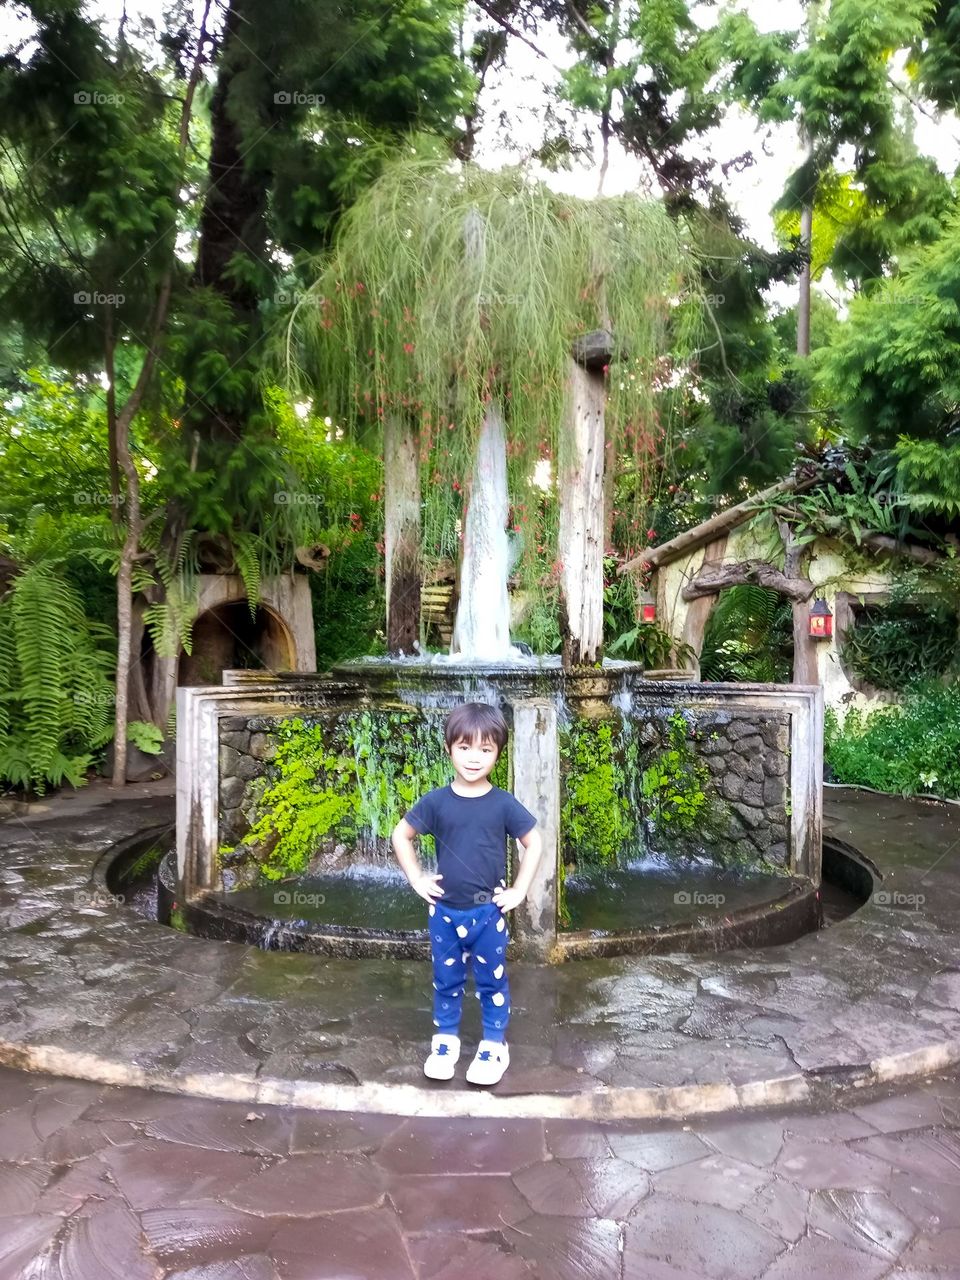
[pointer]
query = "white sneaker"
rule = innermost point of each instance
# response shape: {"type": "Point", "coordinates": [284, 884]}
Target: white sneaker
{"type": "Point", "coordinates": [444, 1052]}
{"type": "Point", "coordinates": [491, 1061]}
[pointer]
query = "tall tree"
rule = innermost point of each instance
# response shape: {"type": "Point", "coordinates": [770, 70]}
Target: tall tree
{"type": "Point", "coordinates": [72, 218]}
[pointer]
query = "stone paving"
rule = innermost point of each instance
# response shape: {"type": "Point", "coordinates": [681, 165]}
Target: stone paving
{"type": "Point", "coordinates": [103, 1183]}
{"type": "Point", "coordinates": [92, 990]}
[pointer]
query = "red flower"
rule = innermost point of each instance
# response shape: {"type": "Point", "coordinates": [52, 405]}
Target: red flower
{"type": "Point", "coordinates": [651, 533]}
{"type": "Point", "coordinates": [408, 348]}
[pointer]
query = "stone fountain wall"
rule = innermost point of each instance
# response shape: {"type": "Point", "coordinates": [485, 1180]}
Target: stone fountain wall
{"type": "Point", "coordinates": [745, 807]}
{"type": "Point", "coordinates": [758, 750]}
{"type": "Point", "coordinates": [749, 761]}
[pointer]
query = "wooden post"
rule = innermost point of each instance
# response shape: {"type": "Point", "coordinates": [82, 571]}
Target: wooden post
{"type": "Point", "coordinates": [401, 502]}
{"type": "Point", "coordinates": [581, 485]}
{"type": "Point", "coordinates": [698, 613]}
{"type": "Point", "coordinates": [804, 648]}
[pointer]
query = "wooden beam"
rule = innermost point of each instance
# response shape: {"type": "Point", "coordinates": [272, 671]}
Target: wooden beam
{"type": "Point", "coordinates": [721, 523]}
{"type": "Point", "coordinates": [883, 542]}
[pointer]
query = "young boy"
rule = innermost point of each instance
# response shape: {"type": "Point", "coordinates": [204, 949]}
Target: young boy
{"type": "Point", "coordinates": [469, 820]}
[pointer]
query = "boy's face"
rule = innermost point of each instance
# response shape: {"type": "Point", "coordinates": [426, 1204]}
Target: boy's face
{"type": "Point", "coordinates": [473, 761]}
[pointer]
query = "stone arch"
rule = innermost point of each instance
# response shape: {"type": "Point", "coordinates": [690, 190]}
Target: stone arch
{"type": "Point", "coordinates": [227, 637]}
{"type": "Point", "coordinates": [283, 632]}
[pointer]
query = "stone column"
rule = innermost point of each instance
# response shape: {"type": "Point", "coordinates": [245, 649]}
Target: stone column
{"type": "Point", "coordinates": [536, 784]}
{"type": "Point", "coordinates": [580, 483]}
{"type": "Point", "coordinates": [401, 509]}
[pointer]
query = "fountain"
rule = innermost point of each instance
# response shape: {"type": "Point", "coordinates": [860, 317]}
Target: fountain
{"type": "Point", "coordinates": [607, 760]}
{"type": "Point", "coordinates": [673, 816]}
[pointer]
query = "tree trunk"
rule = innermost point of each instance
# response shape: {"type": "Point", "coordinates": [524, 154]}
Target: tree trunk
{"type": "Point", "coordinates": [581, 483]}
{"type": "Point", "coordinates": [118, 428]}
{"type": "Point", "coordinates": [401, 502]}
{"type": "Point", "coordinates": [803, 301]}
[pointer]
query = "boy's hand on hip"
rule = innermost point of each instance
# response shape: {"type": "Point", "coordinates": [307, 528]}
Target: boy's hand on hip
{"type": "Point", "coordinates": [507, 899]}
{"type": "Point", "coordinates": [428, 888]}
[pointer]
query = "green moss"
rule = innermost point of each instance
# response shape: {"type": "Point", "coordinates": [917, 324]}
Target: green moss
{"type": "Point", "coordinates": [673, 784]}
{"type": "Point", "coordinates": [596, 818]}
{"type": "Point", "coordinates": [346, 779]}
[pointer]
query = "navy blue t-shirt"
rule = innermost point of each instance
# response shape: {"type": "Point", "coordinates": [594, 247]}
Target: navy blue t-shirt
{"type": "Point", "coordinates": [470, 833]}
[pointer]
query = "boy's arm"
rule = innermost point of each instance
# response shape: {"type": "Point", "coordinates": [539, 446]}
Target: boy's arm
{"type": "Point", "coordinates": [529, 860]}
{"type": "Point", "coordinates": [403, 847]}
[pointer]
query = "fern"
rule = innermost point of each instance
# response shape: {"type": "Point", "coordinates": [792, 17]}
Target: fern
{"type": "Point", "coordinates": [247, 552]}
{"type": "Point", "coordinates": [170, 620]}
{"type": "Point", "coordinates": [45, 615]}
{"type": "Point", "coordinates": [747, 637]}
{"type": "Point", "coordinates": [930, 474]}
{"type": "Point", "coordinates": [55, 698]}
{"type": "Point", "coordinates": [145, 737]}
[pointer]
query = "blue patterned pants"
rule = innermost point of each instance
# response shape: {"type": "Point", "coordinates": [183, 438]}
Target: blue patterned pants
{"type": "Point", "coordinates": [456, 937]}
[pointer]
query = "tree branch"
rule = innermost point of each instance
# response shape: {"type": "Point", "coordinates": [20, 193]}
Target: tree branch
{"type": "Point", "coordinates": [690, 539]}
{"type": "Point", "coordinates": [511, 30]}
{"type": "Point", "coordinates": [712, 578]}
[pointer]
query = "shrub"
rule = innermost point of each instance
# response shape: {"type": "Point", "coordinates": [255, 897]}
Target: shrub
{"type": "Point", "coordinates": [910, 748]}
{"type": "Point", "coordinates": [895, 646]}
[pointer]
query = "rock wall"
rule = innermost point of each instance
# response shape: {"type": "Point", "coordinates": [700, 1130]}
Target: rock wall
{"type": "Point", "coordinates": [738, 769]}
{"type": "Point", "coordinates": [748, 759]}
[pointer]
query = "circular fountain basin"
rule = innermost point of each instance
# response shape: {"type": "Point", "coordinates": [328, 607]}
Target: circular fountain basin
{"type": "Point", "coordinates": [638, 909]}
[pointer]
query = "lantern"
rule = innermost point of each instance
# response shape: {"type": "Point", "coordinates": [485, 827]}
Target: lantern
{"type": "Point", "coordinates": [821, 621]}
{"type": "Point", "coordinates": [648, 607]}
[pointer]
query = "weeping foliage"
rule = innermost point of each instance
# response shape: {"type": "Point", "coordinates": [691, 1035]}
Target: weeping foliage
{"type": "Point", "coordinates": [450, 285]}
{"type": "Point", "coordinates": [170, 619]}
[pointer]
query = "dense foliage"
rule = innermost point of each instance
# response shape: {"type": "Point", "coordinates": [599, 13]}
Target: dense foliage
{"type": "Point", "coordinates": [913, 748]}
{"type": "Point", "coordinates": [205, 168]}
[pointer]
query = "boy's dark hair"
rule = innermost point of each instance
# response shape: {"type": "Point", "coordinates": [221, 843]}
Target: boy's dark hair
{"type": "Point", "coordinates": [476, 719]}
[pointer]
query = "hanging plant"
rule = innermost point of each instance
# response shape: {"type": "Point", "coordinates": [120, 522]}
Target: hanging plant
{"type": "Point", "coordinates": [449, 285]}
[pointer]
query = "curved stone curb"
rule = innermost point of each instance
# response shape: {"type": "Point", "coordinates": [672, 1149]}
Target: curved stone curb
{"type": "Point", "coordinates": [675, 1103]}
{"type": "Point", "coordinates": [91, 990]}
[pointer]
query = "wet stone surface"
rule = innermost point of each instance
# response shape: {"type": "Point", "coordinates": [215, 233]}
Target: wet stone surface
{"type": "Point", "coordinates": [98, 1182]}
{"type": "Point", "coordinates": [82, 971]}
